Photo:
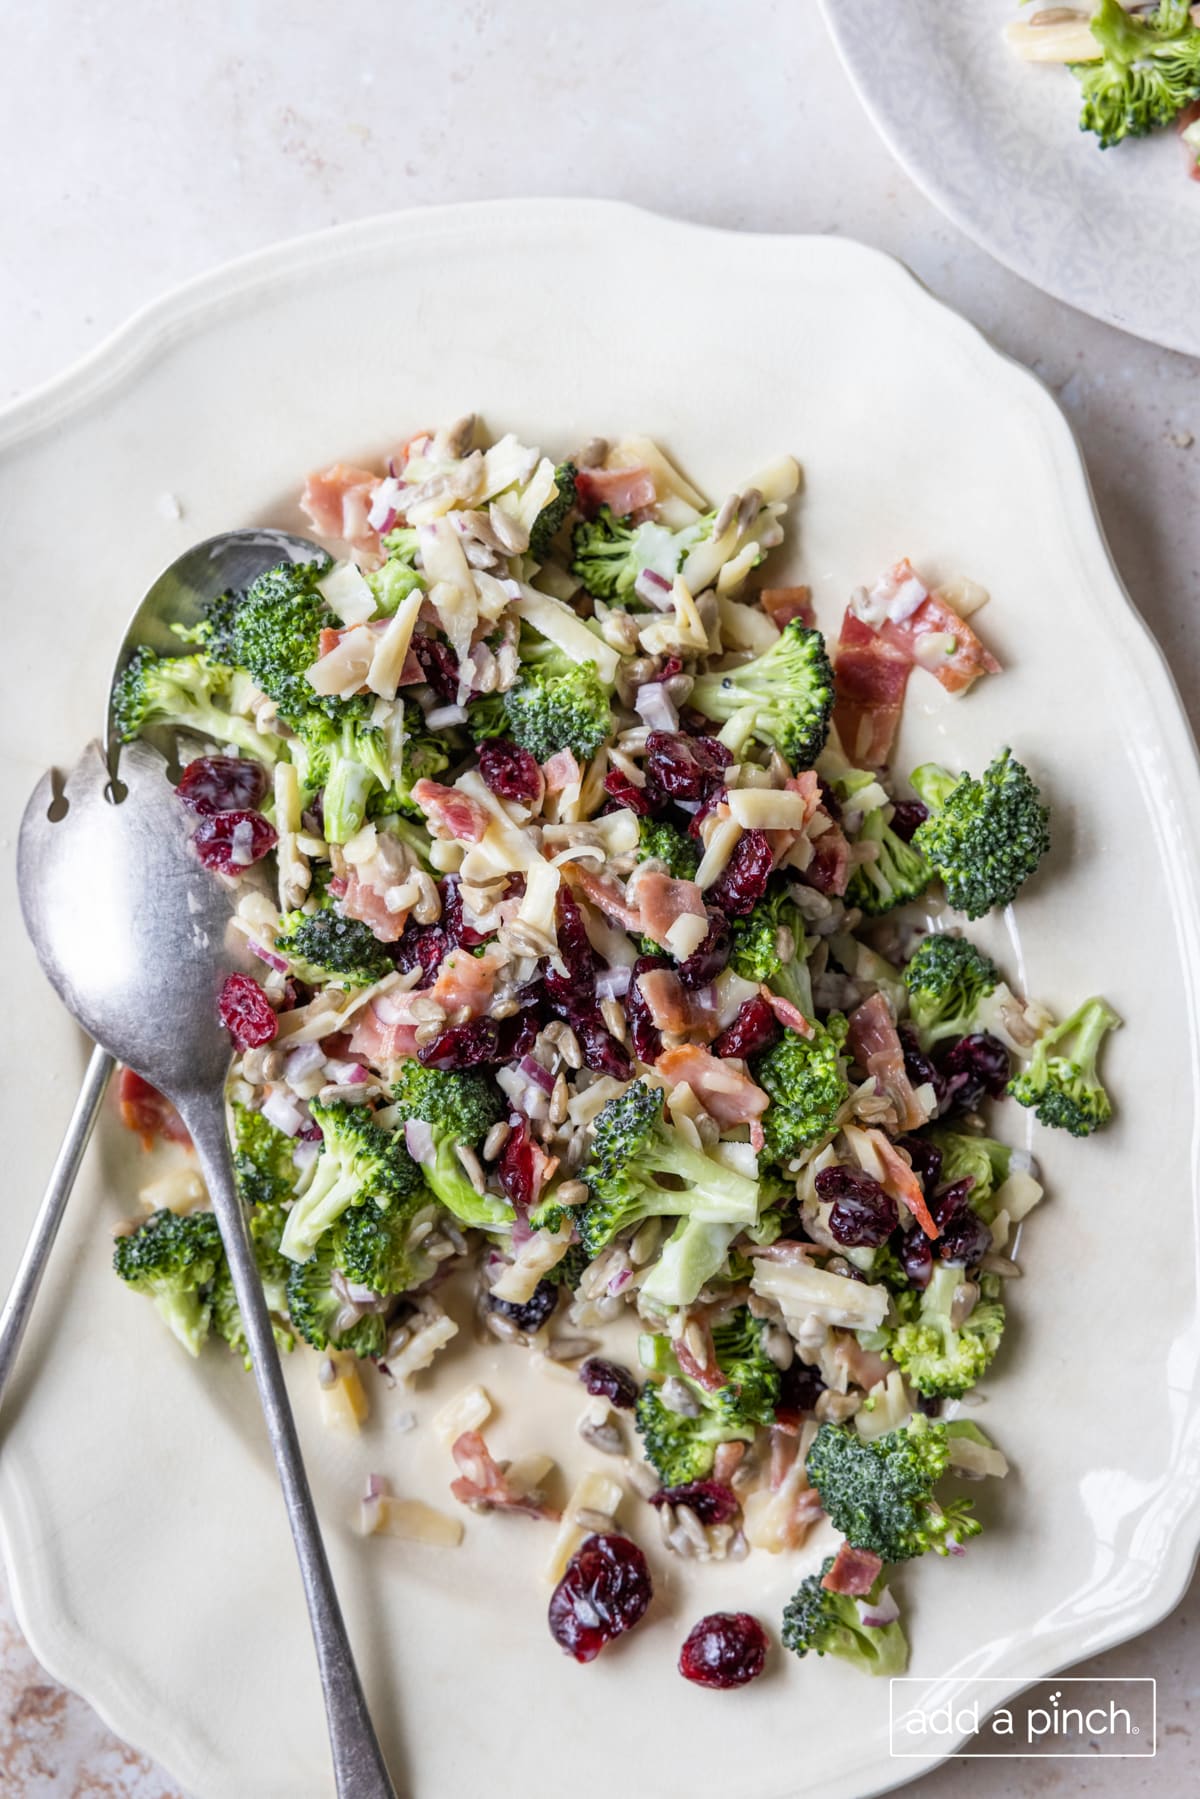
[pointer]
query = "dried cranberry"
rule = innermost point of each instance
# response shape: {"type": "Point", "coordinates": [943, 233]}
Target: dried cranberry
{"type": "Point", "coordinates": [452, 918]}
{"type": "Point", "coordinates": [246, 1012]}
{"type": "Point", "coordinates": [574, 945]}
{"type": "Point", "coordinates": [711, 957]}
{"type": "Point", "coordinates": [827, 869]}
{"type": "Point", "coordinates": [926, 1159]}
{"type": "Point", "coordinates": [515, 1168]}
{"type": "Point", "coordinates": [712, 1502]}
{"type": "Point", "coordinates": [829, 800]}
{"type": "Point", "coordinates": [438, 666]}
{"type": "Point", "coordinates": [973, 1069]}
{"type": "Point", "coordinates": [684, 768]}
{"type": "Point", "coordinates": [643, 1032]}
{"type": "Point", "coordinates": [906, 816]}
{"type": "Point", "coordinates": [964, 1238]}
{"type": "Point", "coordinates": [743, 880]}
{"type": "Point", "coordinates": [510, 771]}
{"type": "Point", "coordinates": [917, 1065]}
{"type": "Point", "coordinates": [214, 840]}
{"type": "Point", "coordinates": [800, 1387]}
{"type": "Point", "coordinates": [930, 1404]}
{"type": "Point", "coordinates": [726, 1649]}
{"type": "Point", "coordinates": [481, 1040]}
{"type": "Point", "coordinates": [915, 1253]}
{"type": "Point", "coordinates": [618, 785]}
{"type": "Point", "coordinates": [754, 1029]}
{"type": "Point", "coordinates": [863, 1215]}
{"type": "Point", "coordinates": [531, 1316]}
{"type": "Point", "coordinates": [608, 1380]}
{"type": "Point", "coordinates": [602, 1054]}
{"type": "Point", "coordinates": [604, 1592]}
{"type": "Point", "coordinates": [222, 784]}
{"type": "Point", "coordinates": [421, 946]}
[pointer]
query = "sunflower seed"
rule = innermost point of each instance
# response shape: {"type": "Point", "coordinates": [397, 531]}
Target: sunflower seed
{"type": "Point", "coordinates": [495, 1140]}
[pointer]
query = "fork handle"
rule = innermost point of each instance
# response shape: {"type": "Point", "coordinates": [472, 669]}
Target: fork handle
{"type": "Point", "coordinates": [358, 1764]}
{"type": "Point", "coordinates": [18, 1307]}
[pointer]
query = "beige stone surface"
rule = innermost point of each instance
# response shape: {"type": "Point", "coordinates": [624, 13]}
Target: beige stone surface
{"type": "Point", "coordinates": [141, 147]}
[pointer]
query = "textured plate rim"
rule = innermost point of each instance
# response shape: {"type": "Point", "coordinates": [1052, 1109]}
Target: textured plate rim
{"type": "Point", "coordinates": [185, 311]}
{"type": "Point", "coordinates": [1137, 322]}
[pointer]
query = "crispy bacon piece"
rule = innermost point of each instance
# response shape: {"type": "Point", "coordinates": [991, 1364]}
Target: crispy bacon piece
{"type": "Point", "coordinates": [366, 903]}
{"type": "Point", "coordinates": [790, 1016]}
{"type": "Point", "coordinates": [783, 604]}
{"type": "Point", "coordinates": [870, 676]}
{"type": "Point", "coordinates": [706, 1373]}
{"type": "Point", "coordinates": [481, 1481]}
{"type": "Point", "coordinates": [676, 1008]}
{"type": "Point", "coordinates": [453, 816]}
{"type": "Point", "coordinates": [607, 895]}
{"type": "Point", "coordinates": [661, 900]}
{"type": "Point", "coordinates": [935, 616]}
{"type": "Point", "coordinates": [854, 1572]}
{"type": "Point", "coordinates": [875, 1046]}
{"type": "Point", "coordinates": [561, 771]}
{"type": "Point", "coordinates": [900, 1181]}
{"type": "Point", "coordinates": [384, 1040]}
{"type": "Point", "coordinates": [465, 980]}
{"type": "Point", "coordinates": [147, 1111]}
{"type": "Point", "coordinates": [337, 501]}
{"type": "Point", "coordinates": [623, 489]}
{"type": "Point", "coordinates": [725, 1093]}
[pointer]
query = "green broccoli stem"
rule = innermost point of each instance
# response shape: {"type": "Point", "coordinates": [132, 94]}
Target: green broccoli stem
{"type": "Point", "coordinates": [186, 1316]}
{"type": "Point", "coordinates": [1092, 1022]}
{"type": "Point", "coordinates": [332, 1189]}
{"type": "Point", "coordinates": [718, 1194]}
{"type": "Point", "coordinates": [933, 785]}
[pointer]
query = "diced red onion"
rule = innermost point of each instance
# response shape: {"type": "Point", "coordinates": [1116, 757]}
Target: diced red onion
{"type": "Point", "coordinates": [418, 1137]}
{"type": "Point", "coordinates": [281, 1110]}
{"type": "Point", "coordinates": [346, 1072]}
{"type": "Point", "coordinates": [654, 588]}
{"type": "Point", "coordinates": [304, 1060]}
{"type": "Point", "coordinates": [361, 1296]}
{"type": "Point", "coordinates": [377, 1487]}
{"type": "Point", "coordinates": [876, 1614]}
{"type": "Point", "coordinates": [384, 503]}
{"type": "Point", "coordinates": [533, 1071]}
{"type": "Point", "coordinates": [268, 956]}
{"type": "Point", "coordinates": [621, 1279]}
{"type": "Point", "coordinates": [305, 1152]}
{"type": "Point", "coordinates": [611, 983]}
{"type": "Point", "coordinates": [654, 707]}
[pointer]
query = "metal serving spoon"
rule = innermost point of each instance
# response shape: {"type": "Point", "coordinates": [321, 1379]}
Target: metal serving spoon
{"type": "Point", "coordinates": [141, 969]}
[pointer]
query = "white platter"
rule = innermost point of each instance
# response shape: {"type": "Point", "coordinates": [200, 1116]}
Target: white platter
{"type": "Point", "coordinates": [994, 142]}
{"type": "Point", "coordinates": [140, 1522]}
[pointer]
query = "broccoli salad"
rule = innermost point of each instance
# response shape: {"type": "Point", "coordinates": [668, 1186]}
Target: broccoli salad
{"type": "Point", "coordinates": [607, 972]}
{"type": "Point", "coordinates": [1138, 66]}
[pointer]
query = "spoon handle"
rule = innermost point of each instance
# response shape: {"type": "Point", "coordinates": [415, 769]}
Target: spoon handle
{"type": "Point", "coordinates": [358, 1765]}
{"type": "Point", "coordinates": [18, 1307]}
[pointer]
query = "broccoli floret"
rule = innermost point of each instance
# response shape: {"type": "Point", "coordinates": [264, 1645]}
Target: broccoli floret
{"type": "Point", "coordinates": [981, 1159]}
{"type": "Point", "coordinates": [984, 837]}
{"type": "Point", "coordinates": [568, 1272]}
{"type": "Point", "coordinates": [460, 1108]}
{"type": "Point", "coordinates": [421, 755]}
{"type": "Point", "coordinates": [805, 1078]}
{"type": "Point", "coordinates": [829, 1624]}
{"type": "Point", "coordinates": [609, 554]}
{"type": "Point", "coordinates": [681, 1449]}
{"type": "Point", "coordinates": [661, 841]}
{"type": "Point", "coordinates": [946, 978]}
{"type": "Point", "coordinates": [173, 1260]}
{"type": "Point", "coordinates": [939, 1359]}
{"type": "Point", "coordinates": [897, 874]}
{"type": "Point", "coordinates": [695, 1253]}
{"type": "Point", "coordinates": [1064, 1089]}
{"type": "Point", "coordinates": [276, 636]}
{"type": "Point", "coordinates": [1149, 71]}
{"type": "Point", "coordinates": [376, 1249]}
{"type": "Point", "coordinates": [325, 948]}
{"type": "Point", "coordinates": [182, 692]}
{"type": "Point", "coordinates": [397, 578]}
{"type": "Point", "coordinates": [315, 1307]}
{"type": "Point", "coordinates": [633, 1150]}
{"type": "Point", "coordinates": [556, 704]}
{"type": "Point", "coordinates": [754, 1377]}
{"type": "Point", "coordinates": [358, 1161]}
{"type": "Point", "coordinates": [879, 1493]}
{"type": "Point", "coordinates": [262, 1159]}
{"type": "Point", "coordinates": [553, 516]}
{"type": "Point", "coordinates": [791, 688]}
{"type": "Point", "coordinates": [214, 633]}
{"type": "Point", "coordinates": [350, 759]}
{"type": "Point", "coordinates": [757, 940]}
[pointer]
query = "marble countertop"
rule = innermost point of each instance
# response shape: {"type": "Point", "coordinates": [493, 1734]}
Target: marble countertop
{"type": "Point", "coordinates": [148, 151]}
